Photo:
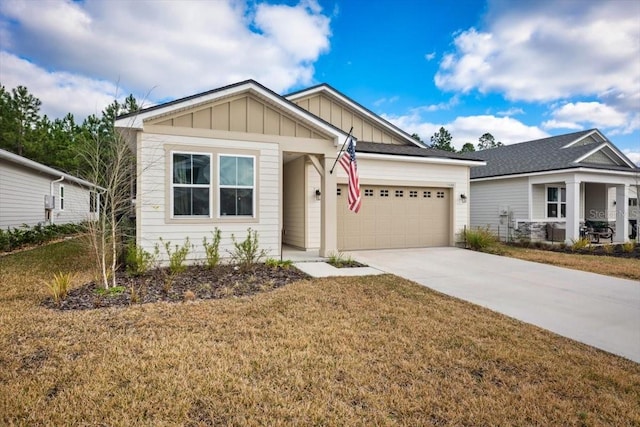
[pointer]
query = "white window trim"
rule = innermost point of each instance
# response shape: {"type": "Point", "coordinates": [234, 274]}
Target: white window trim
{"type": "Point", "coordinates": [252, 187]}
{"type": "Point", "coordinates": [559, 203]}
{"type": "Point", "coordinates": [173, 185]}
{"type": "Point", "coordinates": [61, 197]}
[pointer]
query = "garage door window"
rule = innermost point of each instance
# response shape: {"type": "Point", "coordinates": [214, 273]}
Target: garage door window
{"type": "Point", "coordinates": [440, 195]}
{"type": "Point", "coordinates": [426, 194]}
{"type": "Point", "coordinates": [399, 193]}
{"type": "Point", "coordinates": [384, 193]}
{"type": "Point", "coordinates": [368, 193]}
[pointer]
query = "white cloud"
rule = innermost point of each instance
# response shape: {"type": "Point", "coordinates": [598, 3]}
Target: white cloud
{"type": "Point", "coordinates": [430, 56]}
{"type": "Point", "coordinates": [634, 156]}
{"type": "Point", "coordinates": [581, 115]}
{"type": "Point", "coordinates": [60, 92]}
{"type": "Point", "coordinates": [511, 112]}
{"type": "Point", "coordinates": [382, 101]}
{"type": "Point", "coordinates": [174, 48]}
{"type": "Point", "coordinates": [469, 128]}
{"type": "Point", "coordinates": [546, 51]}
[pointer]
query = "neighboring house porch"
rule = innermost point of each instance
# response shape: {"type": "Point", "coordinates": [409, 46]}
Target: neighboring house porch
{"type": "Point", "coordinates": [549, 189]}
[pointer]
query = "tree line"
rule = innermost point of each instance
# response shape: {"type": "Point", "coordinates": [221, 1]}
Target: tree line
{"type": "Point", "coordinates": [442, 139]}
{"type": "Point", "coordinates": [57, 143]}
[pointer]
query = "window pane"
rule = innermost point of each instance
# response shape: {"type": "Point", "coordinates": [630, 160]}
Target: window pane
{"type": "Point", "coordinates": [227, 170]}
{"type": "Point", "coordinates": [200, 200]}
{"type": "Point", "coordinates": [552, 210]}
{"type": "Point", "coordinates": [182, 169]}
{"type": "Point", "coordinates": [200, 169]}
{"type": "Point", "coordinates": [552, 194]}
{"type": "Point", "coordinates": [563, 210]}
{"type": "Point", "coordinates": [245, 201]}
{"type": "Point", "coordinates": [227, 201]}
{"type": "Point", "coordinates": [563, 194]}
{"type": "Point", "coordinates": [236, 202]}
{"type": "Point", "coordinates": [245, 171]}
{"type": "Point", "coordinates": [182, 201]}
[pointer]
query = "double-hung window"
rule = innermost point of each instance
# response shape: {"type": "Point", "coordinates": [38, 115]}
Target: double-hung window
{"type": "Point", "coordinates": [556, 202]}
{"type": "Point", "coordinates": [237, 185]}
{"type": "Point", "coordinates": [191, 184]}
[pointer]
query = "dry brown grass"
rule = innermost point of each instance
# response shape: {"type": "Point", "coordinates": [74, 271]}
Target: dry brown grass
{"type": "Point", "coordinates": [626, 268]}
{"type": "Point", "coordinates": [346, 351]}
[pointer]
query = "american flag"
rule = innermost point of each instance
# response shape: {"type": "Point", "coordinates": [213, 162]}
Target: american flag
{"type": "Point", "coordinates": [348, 162]}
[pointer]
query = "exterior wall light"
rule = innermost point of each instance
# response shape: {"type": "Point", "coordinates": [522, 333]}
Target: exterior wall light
{"type": "Point", "coordinates": [463, 198]}
{"type": "Point", "coordinates": [318, 194]}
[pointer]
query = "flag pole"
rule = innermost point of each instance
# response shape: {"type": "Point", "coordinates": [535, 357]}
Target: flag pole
{"type": "Point", "coordinates": [341, 150]}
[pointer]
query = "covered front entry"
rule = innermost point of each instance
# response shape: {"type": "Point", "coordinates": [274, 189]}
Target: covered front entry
{"type": "Point", "coordinates": [395, 217]}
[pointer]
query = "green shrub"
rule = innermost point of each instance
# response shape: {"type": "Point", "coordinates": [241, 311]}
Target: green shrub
{"type": "Point", "coordinates": [138, 261]}
{"type": "Point", "coordinates": [628, 247]}
{"type": "Point", "coordinates": [212, 250]}
{"type": "Point", "coordinates": [16, 238]}
{"type": "Point", "coordinates": [59, 286]}
{"type": "Point", "coordinates": [276, 263]}
{"type": "Point", "coordinates": [247, 253]}
{"type": "Point", "coordinates": [480, 239]}
{"type": "Point", "coordinates": [177, 256]}
{"type": "Point", "coordinates": [339, 260]}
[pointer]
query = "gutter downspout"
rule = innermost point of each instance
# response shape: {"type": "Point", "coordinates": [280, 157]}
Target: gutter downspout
{"type": "Point", "coordinates": [51, 195]}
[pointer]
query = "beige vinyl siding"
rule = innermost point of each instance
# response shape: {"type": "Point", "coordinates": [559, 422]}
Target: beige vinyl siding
{"type": "Point", "coordinates": [22, 193]}
{"type": "Point", "coordinates": [154, 222]}
{"type": "Point", "coordinates": [294, 202]}
{"type": "Point", "coordinates": [488, 196]}
{"type": "Point", "coordinates": [419, 174]}
{"type": "Point", "coordinates": [313, 207]}
{"type": "Point", "coordinates": [599, 158]}
{"type": "Point", "coordinates": [339, 115]}
{"type": "Point", "coordinates": [243, 113]}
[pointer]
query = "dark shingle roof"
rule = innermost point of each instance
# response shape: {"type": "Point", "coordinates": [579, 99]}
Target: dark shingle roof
{"type": "Point", "coordinates": [538, 155]}
{"type": "Point", "coordinates": [410, 150]}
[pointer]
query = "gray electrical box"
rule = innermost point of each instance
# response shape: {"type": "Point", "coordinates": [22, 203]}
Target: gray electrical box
{"type": "Point", "coordinates": [49, 202]}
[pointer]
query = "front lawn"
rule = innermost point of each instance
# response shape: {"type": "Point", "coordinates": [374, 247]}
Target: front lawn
{"type": "Point", "coordinates": [376, 350]}
{"type": "Point", "coordinates": [626, 268]}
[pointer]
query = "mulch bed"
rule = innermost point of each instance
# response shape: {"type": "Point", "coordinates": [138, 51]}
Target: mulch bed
{"type": "Point", "coordinates": [614, 250]}
{"type": "Point", "coordinates": [193, 284]}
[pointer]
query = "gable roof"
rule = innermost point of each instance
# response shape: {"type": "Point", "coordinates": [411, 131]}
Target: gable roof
{"type": "Point", "coordinates": [332, 92]}
{"type": "Point", "coordinates": [588, 148]}
{"type": "Point", "coordinates": [40, 168]}
{"type": "Point", "coordinates": [412, 151]}
{"type": "Point", "coordinates": [136, 119]}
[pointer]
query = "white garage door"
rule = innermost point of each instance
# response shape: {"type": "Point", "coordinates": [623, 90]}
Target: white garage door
{"type": "Point", "coordinates": [395, 217]}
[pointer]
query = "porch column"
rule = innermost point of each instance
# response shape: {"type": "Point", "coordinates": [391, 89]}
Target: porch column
{"type": "Point", "coordinates": [328, 210]}
{"type": "Point", "coordinates": [622, 214]}
{"type": "Point", "coordinates": [573, 211]}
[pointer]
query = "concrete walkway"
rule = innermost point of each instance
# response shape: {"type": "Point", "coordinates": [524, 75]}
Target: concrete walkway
{"type": "Point", "coordinates": [598, 310]}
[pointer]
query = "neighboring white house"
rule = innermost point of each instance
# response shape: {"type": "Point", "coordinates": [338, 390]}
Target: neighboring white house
{"type": "Point", "coordinates": [32, 193]}
{"type": "Point", "coordinates": [553, 185]}
{"type": "Point", "coordinates": [243, 156]}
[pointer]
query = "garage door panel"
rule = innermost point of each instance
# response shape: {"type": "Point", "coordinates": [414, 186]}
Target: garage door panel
{"type": "Point", "coordinates": [395, 217]}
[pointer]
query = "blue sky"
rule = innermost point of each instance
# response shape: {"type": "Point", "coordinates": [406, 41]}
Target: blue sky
{"type": "Point", "coordinates": [518, 69]}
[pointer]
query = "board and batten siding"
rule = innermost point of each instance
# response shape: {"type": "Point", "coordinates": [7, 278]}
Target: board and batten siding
{"type": "Point", "coordinates": [153, 187]}
{"type": "Point", "coordinates": [487, 197]}
{"type": "Point", "coordinates": [22, 193]}
{"type": "Point", "coordinates": [344, 118]}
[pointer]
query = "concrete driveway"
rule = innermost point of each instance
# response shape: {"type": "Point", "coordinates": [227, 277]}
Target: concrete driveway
{"type": "Point", "coordinates": [601, 311]}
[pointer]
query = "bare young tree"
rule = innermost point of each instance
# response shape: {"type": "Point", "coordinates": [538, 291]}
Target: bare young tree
{"type": "Point", "coordinates": [109, 163]}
